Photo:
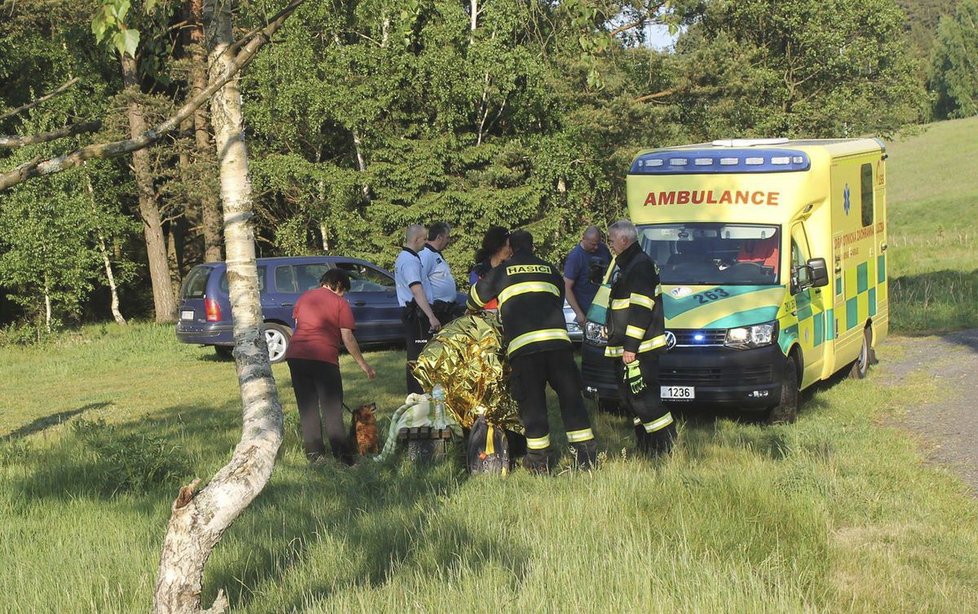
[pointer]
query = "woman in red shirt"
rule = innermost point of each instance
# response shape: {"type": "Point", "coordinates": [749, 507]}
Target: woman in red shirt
{"type": "Point", "coordinates": [323, 320]}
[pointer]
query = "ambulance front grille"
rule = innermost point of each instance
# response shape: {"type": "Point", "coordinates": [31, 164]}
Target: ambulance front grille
{"type": "Point", "coordinates": [700, 338]}
{"type": "Point", "coordinates": [716, 376]}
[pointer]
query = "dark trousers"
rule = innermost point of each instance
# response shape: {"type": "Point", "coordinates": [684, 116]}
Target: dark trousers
{"type": "Point", "coordinates": [646, 405]}
{"type": "Point", "coordinates": [417, 333]}
{"type": "Point", "coordinates": [319, 395]}
{"type": "Point", "coordinates": [527, 384]}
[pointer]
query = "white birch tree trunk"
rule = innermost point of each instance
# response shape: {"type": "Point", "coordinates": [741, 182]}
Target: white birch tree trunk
{"type": "Point", "coordinates": [199, 519]}
{"type": "Point", "coordinates": [116, 313]}
{"type": "Point", "coordinates": [113, 290]}
{"type": "Point", "coordinates": [47, 307]}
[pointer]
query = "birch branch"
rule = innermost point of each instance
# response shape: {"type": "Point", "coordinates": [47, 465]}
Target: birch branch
{"type": "Point", "coordinates": [78, 157]}
{"type": "Point", "coordinates": [14, 141]}
{"type": "Point", "coordinates": [41, 100]}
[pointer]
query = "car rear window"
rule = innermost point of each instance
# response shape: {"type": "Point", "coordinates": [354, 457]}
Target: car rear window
{"type": "Point", "coordinates": [261, 280]}
{"type": "Point", "coordinates": [195, 284]}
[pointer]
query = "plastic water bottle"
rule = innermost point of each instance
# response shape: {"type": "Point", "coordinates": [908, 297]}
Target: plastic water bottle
{"type": "Point", "coordinates": [438, 398]}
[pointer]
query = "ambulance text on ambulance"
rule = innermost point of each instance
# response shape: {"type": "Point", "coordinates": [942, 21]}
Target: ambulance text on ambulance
{"type": "Point", "coordinates": [711, 197]}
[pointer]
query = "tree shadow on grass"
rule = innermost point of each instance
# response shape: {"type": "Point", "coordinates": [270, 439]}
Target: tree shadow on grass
{"type": "Point", "coordinates": [196, 439]}
{"type": "Point", "coordinates": [706, 426]}
{"type": "Point", "coordinates": [46, 422]}
{"type": "Point", "coordinates": [379, 511]}
{"type": "Point", "coordinates": [932, 302]}
{"type": "Point", "coordinates": [374, 518]}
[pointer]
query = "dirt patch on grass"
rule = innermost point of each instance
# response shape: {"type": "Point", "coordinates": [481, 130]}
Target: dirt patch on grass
{"type": "Point", "coordinates": [948, 425]}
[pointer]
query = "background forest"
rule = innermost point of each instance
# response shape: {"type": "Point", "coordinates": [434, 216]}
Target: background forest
{"type": "Point", "coordinates": [365, 116]}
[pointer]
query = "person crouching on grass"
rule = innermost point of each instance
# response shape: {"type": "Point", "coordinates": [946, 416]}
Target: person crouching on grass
{"type": "Point", "coordinates": [322, 320]}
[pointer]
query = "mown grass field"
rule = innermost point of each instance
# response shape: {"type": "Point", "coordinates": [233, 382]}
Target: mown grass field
{"type": "Point", "coordinates": [836, 512]}
{"type": "Point", "coordinates": [832, 513]}
{"type": "Point", "coordinates": [932, 189]}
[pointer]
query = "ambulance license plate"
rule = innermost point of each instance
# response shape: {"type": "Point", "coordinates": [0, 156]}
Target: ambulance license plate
{"type": "Point", "coordinates": [678, 393]}
{"type": "Point", "coordinates": [187, 315]}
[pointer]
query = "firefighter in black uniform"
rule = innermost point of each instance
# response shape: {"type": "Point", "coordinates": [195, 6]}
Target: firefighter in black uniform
{"type": "Point", "coordinates": [636, 336]}
{"type": "Point", "coordinates": [531, 299]}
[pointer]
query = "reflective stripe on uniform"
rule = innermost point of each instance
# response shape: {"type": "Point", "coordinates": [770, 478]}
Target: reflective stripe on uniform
{"type": "Point", "coordinates": [547, 334]}
{"type": "Point", "coordinates": [620, 303]}
{"type": "Point", "coordinates": [475, 297]}
{"type": "Point", "coordinates": [616, 351]}
{"type": "Point", "coordinates": [652, 344]}
{"type": "Point", "coordinates": [527, 286]}
{"type": "Point", "coordinates": [538, 443]}
{"type": "Point", "coordinates": [641, 299]}
{"type": "Point", "coordinates": [636, 421]}
{"type": "Point", "coordinates": [579, 436]}
{"type": "Point", "coordinates": [635, 332]}
{"type": "Point", "coordinates": [658, 425]}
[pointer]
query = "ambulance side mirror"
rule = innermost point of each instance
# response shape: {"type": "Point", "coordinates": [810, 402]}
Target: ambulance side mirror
{"type": "Point", "coordinates": [819, 277]}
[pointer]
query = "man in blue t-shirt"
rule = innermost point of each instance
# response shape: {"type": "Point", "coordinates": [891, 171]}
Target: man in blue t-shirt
{"type": "Point", "coordinates": [583, 271]}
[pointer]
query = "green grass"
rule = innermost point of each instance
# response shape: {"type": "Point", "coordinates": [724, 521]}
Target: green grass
{"type": "Point", "coordinates": [835, 512]}
{"type": "Point", "coordinates": [933, 213]}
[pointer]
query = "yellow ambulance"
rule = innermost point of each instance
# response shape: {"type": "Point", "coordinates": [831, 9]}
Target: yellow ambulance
{"type": "Point", "coordinates": [772, 256]}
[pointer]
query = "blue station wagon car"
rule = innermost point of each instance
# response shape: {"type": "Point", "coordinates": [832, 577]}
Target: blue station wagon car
{"type": "Point", "coordinates": [205, 309]}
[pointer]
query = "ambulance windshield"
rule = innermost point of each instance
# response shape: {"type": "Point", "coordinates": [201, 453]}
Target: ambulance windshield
{"type": "Point", "coordinates": [699, 254]}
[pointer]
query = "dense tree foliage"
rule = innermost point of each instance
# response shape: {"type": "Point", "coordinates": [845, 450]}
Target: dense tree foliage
{"type": "Point", "coordinates": [800, 68]}
{"type": "Point", "coordinates": [955, 70]}
{"type": "Point", "coordinates": [367, 115]}
{"type": "Point", "coordinates": [922, 19]}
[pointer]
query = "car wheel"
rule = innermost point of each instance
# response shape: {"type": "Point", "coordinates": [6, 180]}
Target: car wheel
{"type": "Point", "coordinates": [861, 367]}
{"type": "Point", "coordinates": [787, 410]}
{"type": "Point", "coordinates": [277, 337]}
{"type": "Point", "coordinates": [224, 352]}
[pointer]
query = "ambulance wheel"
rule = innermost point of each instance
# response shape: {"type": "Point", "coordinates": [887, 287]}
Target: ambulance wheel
{"type": "Point", "coordinates": [861, 367]}
{"type": "Point", "coordinates": [787, 410]}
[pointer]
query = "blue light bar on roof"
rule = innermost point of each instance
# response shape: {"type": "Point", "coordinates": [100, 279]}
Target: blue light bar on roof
{"type": "Point", "coordinates": [712, 161]}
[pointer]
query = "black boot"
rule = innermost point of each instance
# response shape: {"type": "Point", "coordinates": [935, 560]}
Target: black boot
{"type": "Point", "coordinates": [660, 442]}
{"type": "Point", "coordinates": [537, 461]}
{"type": "Point", "coordinates": [585, 455]}
{"type": "Point", "coordinates": [641, 437]}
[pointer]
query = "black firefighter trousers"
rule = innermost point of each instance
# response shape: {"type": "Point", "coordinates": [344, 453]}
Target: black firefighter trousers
{"type": "Point", "coordinates": [654, 424]}
{"type": "Point", "coordinates": [527, 384]}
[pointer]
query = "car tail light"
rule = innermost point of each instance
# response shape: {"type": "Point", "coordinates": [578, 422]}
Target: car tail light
{"type": "Point", "coordinates": [212, 309]}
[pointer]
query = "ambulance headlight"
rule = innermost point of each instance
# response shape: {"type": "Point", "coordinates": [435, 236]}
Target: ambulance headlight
{"type": "Point", "coordinates": [748, 337]}
{"type": "Point", "coordinates": [596, 333]}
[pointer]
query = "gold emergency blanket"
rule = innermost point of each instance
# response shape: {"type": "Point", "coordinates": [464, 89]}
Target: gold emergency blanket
{"type": "Point", "coordinates": [465, 358]}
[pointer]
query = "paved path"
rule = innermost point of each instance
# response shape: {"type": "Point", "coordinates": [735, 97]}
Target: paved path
{"type": "Point", "coordinates": [948, 425]}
